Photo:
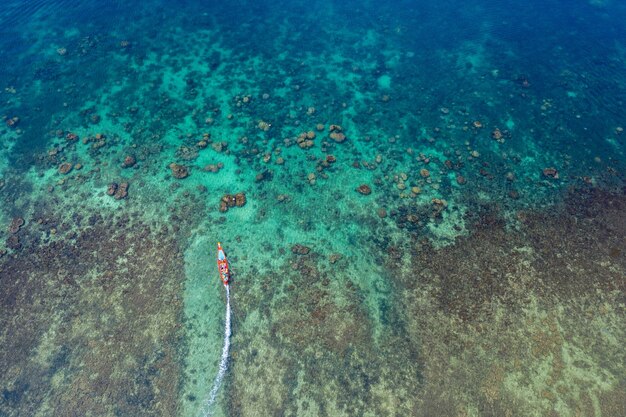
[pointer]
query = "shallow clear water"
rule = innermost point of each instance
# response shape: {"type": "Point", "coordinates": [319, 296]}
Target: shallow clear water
{"type": "Point", "coordinates": [423, 206]}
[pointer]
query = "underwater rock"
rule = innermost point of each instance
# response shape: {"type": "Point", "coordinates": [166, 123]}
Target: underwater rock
{"type": "Point", "coordinates": [551, 173]}
{"type": "Point", "coordinates": [12, 121]}
{"type": "Point", "coordinates": [229, 201]}
{"type": "Point", "coordinates": [129, 161]}
{"type": "Point", "coordinates": [111, 189]}
{"type": "Point", "coordinates": [263, 125]}
{"type": "Point", "coordinates": [65, 168]}
{"type": "Point", "coordinates": [240, 199]}
{"type": "Point", "coordinates": [335, 128]}
{"type": "Point", "coordinates": [299, 249]}
{"type": "Point", "coordinates": [100, 142]}
{"type": "Point", "coordinates": [71, 137]}
{"type": "Point", "coordinates": [305, 139]}
{"type": "Point", "coordinates": [331, 159]}
{"type": "Point", "coordinates": [497, 135]}
{"type": "Point", "coordinates": [338, 136]}
{"type": "Point", "coordinates": [364, 189]}
{"type": "Point", "coordinates": [439, 205]}
{"type": "Point", "coordinates": [219, 146]}
{"type": "Point", "coordinates": [15, 225]}
{"type": "Point", "coordinates": [382, 213]}
{"type": "Point", "coordinates": [336, 133]}
{"type": "Point", "coordinates": [460, 179]}
{"type": "Point", "coordinates": [122, 191]}
{"type": "Point", "coordinates": [179, 171]}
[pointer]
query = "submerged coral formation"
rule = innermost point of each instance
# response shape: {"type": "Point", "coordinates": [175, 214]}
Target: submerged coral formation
{"type": "Point", "coordinates": [424, 215]}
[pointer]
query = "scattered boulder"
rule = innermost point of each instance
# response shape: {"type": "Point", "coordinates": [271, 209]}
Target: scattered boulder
{"type": "Point", "coordinates": [118, 191]}
{"type": "Point", "coordinates": [232, 200]}
{"type": "Point", "coordinates": [122, 191]}
{"type": "Point", "coordinates": [179, 171]}
{"type": "Point", "coordinates": [305, 139]}
{"type": "Point", "coordinates": [129, 161]}
{"type": "Point", "coordinates": [551, 173]}
{"type": "Point", "coordinates": [263, 125]}
{"type": "Point", "coordinates": [335, 128]}
{"type": "Point", "coordinates": [240, 199]}
{"type": "Point", "coordinates": [12, 121]}
{"type": "Point", "coordinates": [364, 189]}
{"type": "Point", "coordinates": [439, 206]}
{"type": "Point", "coordinates": [336, 133]}
{"type": "Point", "coordinates": [111, 189]}
{"type": "Point", "coordinates": [299, 249]}
{"type": "Point", "coordinates": [219, 146]}
{"type": "Point", "coordinates": [65, 168]}
{"type": "Point", "coordinates": [15, 225]}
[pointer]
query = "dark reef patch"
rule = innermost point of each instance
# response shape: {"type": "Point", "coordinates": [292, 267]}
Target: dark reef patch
{"type": "Point", "coordinates": [91, 323]}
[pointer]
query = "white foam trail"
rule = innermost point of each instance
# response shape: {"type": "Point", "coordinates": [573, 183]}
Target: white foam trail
{"type": "Point", "coordinates": [223, 362]}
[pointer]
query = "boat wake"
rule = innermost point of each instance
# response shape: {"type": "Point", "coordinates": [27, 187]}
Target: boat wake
{"type": "Point", "coordinates": [207, 409]}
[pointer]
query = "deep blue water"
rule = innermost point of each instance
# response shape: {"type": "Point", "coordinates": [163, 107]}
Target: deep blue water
{"type": "Point", "coordinates": [556, 46]}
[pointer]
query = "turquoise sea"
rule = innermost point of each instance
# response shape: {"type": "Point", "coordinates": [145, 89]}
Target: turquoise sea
{"type": "Point", "coordinates": [423, 204]}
